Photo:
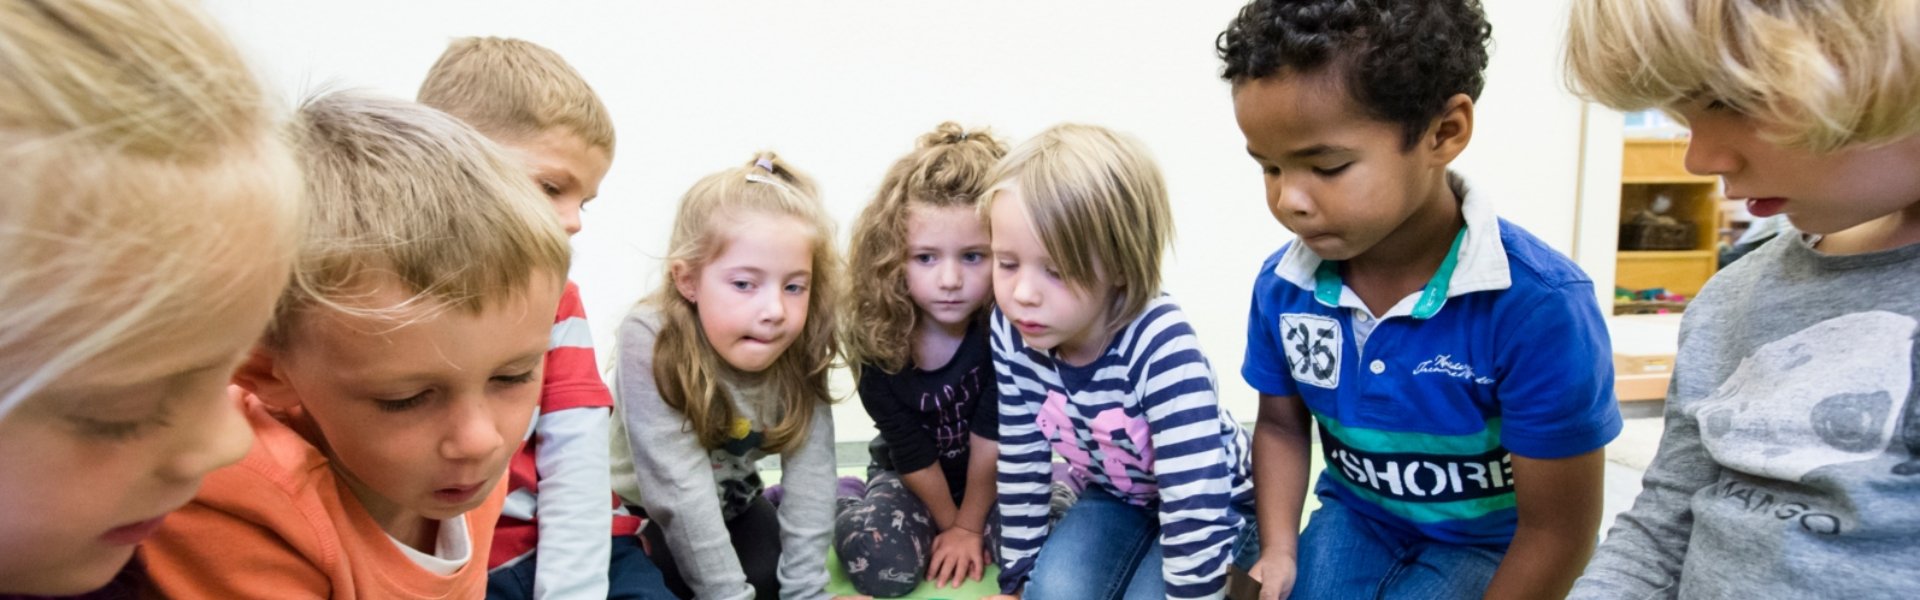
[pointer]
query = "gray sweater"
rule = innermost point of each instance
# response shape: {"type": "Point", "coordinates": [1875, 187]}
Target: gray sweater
{"type": "Point", "coordinates": [691, 491]}
{"type": "Point", "coordinates": [1788, 468]}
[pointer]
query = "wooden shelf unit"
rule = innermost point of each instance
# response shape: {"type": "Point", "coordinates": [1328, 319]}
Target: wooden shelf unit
{"type": "Point", "coordinates": [1651, 168]}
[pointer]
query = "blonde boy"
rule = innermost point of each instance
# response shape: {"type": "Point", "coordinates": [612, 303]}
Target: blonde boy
{"type": "Point", "coordinates": [553, 538]}
{"type": "Point", "coordinates": [398, 376]}
{"type": "Point", "coordinates": [1790, 465]}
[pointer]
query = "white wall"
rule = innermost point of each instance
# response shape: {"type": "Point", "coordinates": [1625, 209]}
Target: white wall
{"type": "Point", "coordinates": [842, 87]}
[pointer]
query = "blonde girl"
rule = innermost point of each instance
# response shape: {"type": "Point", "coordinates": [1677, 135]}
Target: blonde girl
{"type": "Point", "coordinates": [1096, 364]}
{"type": "Point", "coordinates": [917, 339]}
{"type": "Point", "coordinates": [725, 363]}
{"type": "Point", "coordinates": [146, 207]}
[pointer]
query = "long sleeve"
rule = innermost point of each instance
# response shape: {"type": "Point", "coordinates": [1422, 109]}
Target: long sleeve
{"type": "Point", "coordinates": [908, 444]}
{"type": "Point", "coordinates": [1643, 552]}
{"type": "Point", "coordinates": [673, 472]}
{"type": "Point", "coordinates": [806, 513]}
{"type": "Point", "coordinates": [575, 544]}
{"type": "Point", "coordinates": [1192, 463]}
{"type": "Point", "coordinates": [1024, 470]}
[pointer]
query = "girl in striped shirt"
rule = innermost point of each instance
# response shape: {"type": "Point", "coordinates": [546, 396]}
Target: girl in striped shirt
{"type": "Point", "coordinates": [1094, 363]}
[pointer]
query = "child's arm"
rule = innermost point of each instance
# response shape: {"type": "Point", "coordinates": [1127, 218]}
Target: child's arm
{"type": "Point", "coordinates": [573, 514]}
{"type": "Point", "coordinates": [1559, 505]}
{"type": "Point", "coordinates": [570, 455]}
{"type": "Point", "coordinates": [675, 474]}
{"type": "Point", "coordinates": [910, 449]}
{"type": "Point", "coordinates": [1280, 461]}
{"type": "Point", "coordinates": [1198, 525]}
{"type": "Point", "coordinates": [960, 552]}
{"type": "Point", "coordinates": [1024, 473]}
{"type": "Point", "coordinates": [806, 512]}
{"type": "Point", "coordinates": [1643, 553]}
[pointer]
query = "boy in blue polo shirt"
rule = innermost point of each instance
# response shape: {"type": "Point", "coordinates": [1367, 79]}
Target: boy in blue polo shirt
{"type": "Point", "coordinates": [1456, 367]}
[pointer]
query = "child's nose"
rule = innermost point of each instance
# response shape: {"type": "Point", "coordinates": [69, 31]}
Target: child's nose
{"type": "Point", "coordinates": [1291, 201]}
{"type": "Point", "coordinates": [773, 310]}
{"type": "Point", "coordinates": [475, 434]}
{"type": "Point", "coordinates": [1707, 154]}
{"type": "Point", "coordinates": [948, 275]}
{"type": "Point", "coordinates": [1024, 292]}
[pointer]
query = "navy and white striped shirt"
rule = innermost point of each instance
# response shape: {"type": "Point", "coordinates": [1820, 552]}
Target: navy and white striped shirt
{"type": "Point", "coordinates": [1142, 422]}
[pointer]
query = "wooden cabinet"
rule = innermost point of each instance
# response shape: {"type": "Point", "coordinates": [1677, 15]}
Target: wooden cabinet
{"type": "Point", "coordinates": [1653, 168]}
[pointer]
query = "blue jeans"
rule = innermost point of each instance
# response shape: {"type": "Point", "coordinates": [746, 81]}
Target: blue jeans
{"type": "Point", "coordinates": [630, 576]}
{"type": "Point", "coordinates": [1105, 548]}
{"type": "Point", "coordinates": [1346, 556]}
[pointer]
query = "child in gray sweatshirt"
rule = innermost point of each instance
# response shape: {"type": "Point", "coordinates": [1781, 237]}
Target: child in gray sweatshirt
{"type": "Point", "coordinates": [1790, 466]}
{"type": "Point", "coordinates": [727, 363]}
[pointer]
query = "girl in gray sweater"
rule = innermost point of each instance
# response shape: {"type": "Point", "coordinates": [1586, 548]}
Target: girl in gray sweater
{"type": "Point", "coordinates": [726, 363]}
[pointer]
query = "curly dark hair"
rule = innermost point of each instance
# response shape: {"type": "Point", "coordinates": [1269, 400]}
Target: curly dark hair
{"type": "Point", "coordinates": [1400, 60]}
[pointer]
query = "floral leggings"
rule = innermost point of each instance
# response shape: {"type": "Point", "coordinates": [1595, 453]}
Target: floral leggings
{"type": "Point", "coordinates": [885, 540]}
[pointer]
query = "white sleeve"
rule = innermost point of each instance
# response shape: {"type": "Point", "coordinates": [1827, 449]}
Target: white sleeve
{"type": "Point", "coordinates": [575, 505]}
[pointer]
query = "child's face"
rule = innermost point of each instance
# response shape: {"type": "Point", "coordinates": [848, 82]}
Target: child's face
{"type": "Point", "coordinates": [1819, 193]}
{"type": "Point", "coordinates": [566, 168]}
{"type": "Point", "coordinates": [92, 462]}
{"type": "Point", "coordinates": [1050, 313]}
{"type": "Point", "coordinates": [420, 419]}
{"type": "Point", "coordinates": [1335, 177]}
{"type": "Point", "coordinates": [947, 273]}
{"type": "Point", "coordinates": [752, 298]}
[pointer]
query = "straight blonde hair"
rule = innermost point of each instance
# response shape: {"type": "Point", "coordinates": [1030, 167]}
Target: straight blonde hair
{"type": "Point", "coordinates": [401, 191]}
{"type": "Point", "coordinates": [1100, 207]}
{"type": "Point", "coordinates": [947, 168]}
{"type": "Point", "coordinates": [142, 182]}
{"type": "Point", "coordinates": [1822, 74]}
{"type": "Point", "coordinates": [686, 368]}
{"type": "Point", "coordinates": [515, 89]}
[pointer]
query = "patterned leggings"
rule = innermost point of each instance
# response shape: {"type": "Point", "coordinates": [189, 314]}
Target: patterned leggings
{"type": "Point", "coordinates": [885, 540]}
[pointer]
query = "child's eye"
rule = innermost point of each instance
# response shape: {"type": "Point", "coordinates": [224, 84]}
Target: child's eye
{"type": "Point", "coordinates": [796, 288]}
{"type": "Point", "coordinates": [973, 257]}
{"type": "Point", "coordinates": [1007, 265]}
{"type": "Point", "coordinates": [549, 188]}
{"type": "Point", "coordinates": [923, 258]}
{"type": "Point", "coordinates": [514, 379]}
{"type": "Point", "coordinates": [1329, 172]}
{"type": "Point", "coordinates": [401, 405]}
{"type": "Point", "coordinates": [742, 285]}
{"type": "Point", "coordinates": [1270, 171]}
{"type": "Point", "coordinates": [1052, 272]}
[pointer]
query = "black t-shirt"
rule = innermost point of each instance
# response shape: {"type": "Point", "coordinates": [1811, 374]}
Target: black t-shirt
{"type": "Point", "coordinates": [926, 416]}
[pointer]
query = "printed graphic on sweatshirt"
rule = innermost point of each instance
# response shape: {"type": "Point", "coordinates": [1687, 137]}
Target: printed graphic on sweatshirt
{"type": "Point", "coordinates": [1422, 477]}
{"type": "Point", "coordinates": [950, 406]}
{"type": "Point", "coordinates": [1830, 394]}
{"type": "Point", "coordinates": [1312, 343]}
{"type": "Point", "coordinates": [1120, 446]}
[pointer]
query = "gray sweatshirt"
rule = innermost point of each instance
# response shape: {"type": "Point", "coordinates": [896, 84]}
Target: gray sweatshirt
{"type": "Point", "coordinates": [1790, 465]}
{"type": "Point", "coordinates": [692, 491]}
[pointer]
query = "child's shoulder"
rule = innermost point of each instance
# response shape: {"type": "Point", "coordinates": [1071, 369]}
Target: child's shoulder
{"type": "Point", "coordinates": [1532, 263]}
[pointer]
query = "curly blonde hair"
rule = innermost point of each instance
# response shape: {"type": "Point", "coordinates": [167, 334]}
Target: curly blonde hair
{"type": "Point", "coordinates": [947, 167]}
{"type": "Point", "coordinates": [1823, 74]}
{"type": "Point", "coordinates": [686, 368]}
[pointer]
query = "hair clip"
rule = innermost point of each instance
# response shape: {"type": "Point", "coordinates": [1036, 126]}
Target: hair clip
{"type": "Point", "coordinates": [963, 135]}
{"type": "Point", "coordinates": [758, 178]}
{"type": "Point", "coordinates": [764, 164]}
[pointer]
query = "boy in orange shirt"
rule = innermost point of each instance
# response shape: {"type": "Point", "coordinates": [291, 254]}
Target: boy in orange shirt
{"type": "Point", "coordinates": [399, 375]}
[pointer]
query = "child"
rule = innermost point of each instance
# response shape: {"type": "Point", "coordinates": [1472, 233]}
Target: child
{"type": "Point", "coordinates": [1091, 358]}
{"type": "Point", "coordinates": [725, 363]}
{"type": "Point", "coordinates": [527, 99]}
{"type": "Point", "coordinates": [1790, 463]}
{"type": "Point", "coordinates": [146, 211]}
{"type": "Point", "coordinates": [1456, 368]}
{"type": "Point", "coordinates": [399, 375]}
{"type": "Point", "coordinates": [918, 340]}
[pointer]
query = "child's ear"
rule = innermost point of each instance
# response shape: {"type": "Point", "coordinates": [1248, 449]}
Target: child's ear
{"type": "Point", "coordinates": [264, 375]}
{"type": "Point", "coordinates": [685, 279]}
{"type": "Point", "coordinates": [1450, 132]}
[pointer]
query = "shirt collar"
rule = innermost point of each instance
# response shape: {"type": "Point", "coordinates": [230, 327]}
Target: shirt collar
{"type": "Point", "coordinates": [1476, 262]}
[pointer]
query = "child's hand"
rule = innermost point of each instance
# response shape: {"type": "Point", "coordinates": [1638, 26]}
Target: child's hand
{"type": "Point", "coordinates": [958, 555]}
{"type": "Point", "coordinates": [1275, 574]}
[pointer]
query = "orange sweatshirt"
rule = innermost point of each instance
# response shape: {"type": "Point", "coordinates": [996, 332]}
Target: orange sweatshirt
{"type": "Point", "coordinates": [281, 524]}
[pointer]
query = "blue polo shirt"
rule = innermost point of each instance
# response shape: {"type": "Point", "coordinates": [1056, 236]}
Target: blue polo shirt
{"type": "Point", "coordinates": [1504, 351]}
